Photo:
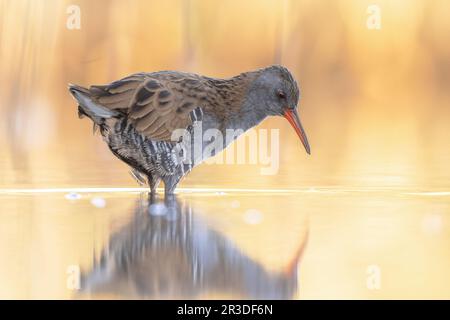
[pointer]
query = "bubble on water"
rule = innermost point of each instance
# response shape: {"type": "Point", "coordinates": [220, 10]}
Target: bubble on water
{"type": "Point", "coordinates": [235, 204]}
{"type": "Point", "coordinates": [98, 202]}
{"type": "Point", "coordinates": [253, 216]}
{"type": "Point", "coordinates": [72, 196]}
{"type": "Point", "coordinates": [157, 209]}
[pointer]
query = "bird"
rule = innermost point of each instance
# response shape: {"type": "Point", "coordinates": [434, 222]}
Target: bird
{"type": "Point", "coordinates": [139, 115]}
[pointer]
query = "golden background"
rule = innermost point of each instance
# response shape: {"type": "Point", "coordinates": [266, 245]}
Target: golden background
{"type": "Point", "coordinates": [375, 105]}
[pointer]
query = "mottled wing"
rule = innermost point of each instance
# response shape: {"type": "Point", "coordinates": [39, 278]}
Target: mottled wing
{"type": "Point", "coordinates": [118, 94]}
{"type": "Point", "coordinates": [159, 107]}
{"type": "Point", "coordinates": [155, 106]}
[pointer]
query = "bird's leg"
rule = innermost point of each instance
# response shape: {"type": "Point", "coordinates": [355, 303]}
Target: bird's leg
{"type": "Point", "coordinates": [170, 184]}
{"type": "Point", "coordinates": [153, 182]}
{"type": "Point", "coordinates": [152, 197]}
{"type": "Point", "coordinates": [172, 206]}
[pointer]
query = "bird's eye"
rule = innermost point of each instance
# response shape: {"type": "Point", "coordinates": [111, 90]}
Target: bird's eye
{"type": "Point", "coordinates": [281, 94]}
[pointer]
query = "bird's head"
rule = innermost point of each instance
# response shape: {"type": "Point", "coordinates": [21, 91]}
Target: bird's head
{"type": "Point", "coordinates": [276, 93]}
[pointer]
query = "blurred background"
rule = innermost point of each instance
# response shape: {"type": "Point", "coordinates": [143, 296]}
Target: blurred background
{"type": "Point", "coordinates": [375, 104]}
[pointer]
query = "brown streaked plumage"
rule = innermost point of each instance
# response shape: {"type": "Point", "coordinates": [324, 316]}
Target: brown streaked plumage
{"type": "Point", "coordinates": [158, 103]}
{"type": "Point", "coordinates": [138, 114]}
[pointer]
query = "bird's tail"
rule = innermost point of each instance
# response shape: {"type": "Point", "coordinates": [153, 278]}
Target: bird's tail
{"type": "Point", "coordinates": [88, 107]}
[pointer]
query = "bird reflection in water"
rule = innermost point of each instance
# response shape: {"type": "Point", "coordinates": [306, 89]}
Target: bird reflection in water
{"type": "Point", "coordinates": [167, 251]}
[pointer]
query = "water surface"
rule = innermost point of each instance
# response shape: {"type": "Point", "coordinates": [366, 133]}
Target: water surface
{"type": "Point", "coordinates": [282, 245]}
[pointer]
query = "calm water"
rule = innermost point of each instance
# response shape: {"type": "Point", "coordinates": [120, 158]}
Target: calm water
{"type": "Point", "coordinates": [312, 243]}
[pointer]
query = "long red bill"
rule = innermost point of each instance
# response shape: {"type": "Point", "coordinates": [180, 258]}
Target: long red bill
{"type": "Point", "coordinates": [292, 116]}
